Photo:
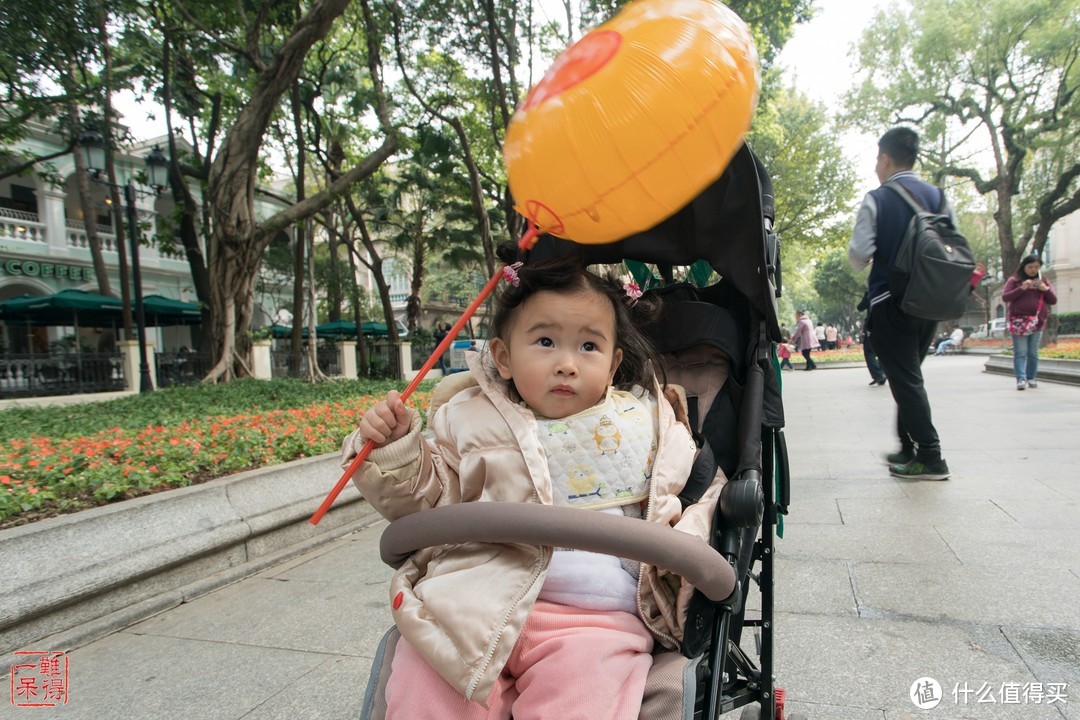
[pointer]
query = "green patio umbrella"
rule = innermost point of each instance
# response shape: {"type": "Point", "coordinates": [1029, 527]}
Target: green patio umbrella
{"type": "Point", "coordinates": [336, 330]}
{"type": "Point", "coordinates": [162, 311]}
{"type": "Point", "coordinates": [67, 308]}
{"type": "Point", "coordinates": [374, 328]}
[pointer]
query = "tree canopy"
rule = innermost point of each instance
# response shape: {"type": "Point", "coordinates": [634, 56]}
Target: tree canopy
{"type": "Point", "coordinates": [391, 116]}
{"type": "Point", "coordinates": [992, 87]}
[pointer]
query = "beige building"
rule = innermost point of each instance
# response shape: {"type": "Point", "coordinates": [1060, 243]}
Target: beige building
{"type": "Point", "coordinates": [1062, 262]}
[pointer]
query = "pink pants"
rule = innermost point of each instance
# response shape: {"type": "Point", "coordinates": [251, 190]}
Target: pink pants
{"type": "Point", "coordinates": [568, 663]}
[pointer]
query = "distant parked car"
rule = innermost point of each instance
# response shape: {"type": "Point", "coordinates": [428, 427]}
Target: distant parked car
{"type": "Point", "coordinates": [997, 330]}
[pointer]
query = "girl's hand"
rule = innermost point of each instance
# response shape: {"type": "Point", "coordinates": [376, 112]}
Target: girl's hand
{"type": "Point", "coordinates": [387, 421]}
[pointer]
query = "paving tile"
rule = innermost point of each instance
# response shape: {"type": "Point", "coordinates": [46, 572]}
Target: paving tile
{"type": "Point", "coordinates": [865, 665]}
{"type": "Point", "coordinates": [866, 543]}
{"type": "Point", "coordinates": [321, 617]}
{"type": "Point", "coordinates": [127, 676]}
{"type": "Point", "coordinates": [924, 511]}
{"type": "Point", "coordinates": [966, 594]}
{"type": "Point", "coordinates": [333, 689]}
{"type": "Point", "coordinates": [1049, 549]}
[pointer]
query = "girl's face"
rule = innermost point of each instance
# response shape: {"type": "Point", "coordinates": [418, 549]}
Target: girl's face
{"type": "Point", "coordinates": [1032, 269]}
{"type": "Point", "coordinates": [560, 351]}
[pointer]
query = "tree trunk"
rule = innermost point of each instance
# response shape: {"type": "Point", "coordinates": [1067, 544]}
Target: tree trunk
{"type": "Point", "coordinates": [299, 250]}
{"type": "Point", "coordinates": [315, 373]}
{"type": "Point", "coordinates": [354, 289]}
{"type": "Point", "coordinates": [231, 186]}
{"type": "Point", "coordinates": [419, 263]}
{"type": "Point", "coordinates": [110, 169]}
{"type": "Point", "coordinates": [82, 182]}
{"type": "Point", "coordinates": [182, 196]}
{"type": "Point", "coordinates": [1010, 254]}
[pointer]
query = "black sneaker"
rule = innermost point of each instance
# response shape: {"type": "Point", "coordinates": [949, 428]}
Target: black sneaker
{"type": "Point", "coordinates": [916, 470]}
{"type": "Point", "coordinates": [903, 457]}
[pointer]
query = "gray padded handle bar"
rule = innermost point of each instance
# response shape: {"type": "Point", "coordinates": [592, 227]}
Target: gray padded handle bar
{"type": "Point", "coordinates": [533, 524]}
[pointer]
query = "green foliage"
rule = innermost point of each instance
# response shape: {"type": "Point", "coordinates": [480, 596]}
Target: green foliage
{"type": "Point", "coordinates": [814, 184]}
{"type": "Point", "coordinates": [993, 88]}
{"type": "Point", "coordinates": [1068, 323]}
{"type": "Point", "coordinates": [771, 21]}
{"type": "Point", "coordinates": [45, 47]}
{"type": "Point", "coordinates": [839, 289]}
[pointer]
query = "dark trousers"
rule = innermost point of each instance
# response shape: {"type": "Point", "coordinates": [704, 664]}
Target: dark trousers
{"type": "Point", "coordinates": [872, 363]}
{"type": "Point", "coordinates": [901, 342]}
{"type": "Point", "coordinates": [810, 364]}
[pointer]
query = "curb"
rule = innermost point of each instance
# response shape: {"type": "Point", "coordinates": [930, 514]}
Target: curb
{"type": "Point", "coordinates": [74, 578]}
{"type": "Point", "coordinates": [1050, 369]}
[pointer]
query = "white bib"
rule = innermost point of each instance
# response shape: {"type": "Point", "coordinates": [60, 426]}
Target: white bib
{"type": "Point", "coordinates": [602, 457]}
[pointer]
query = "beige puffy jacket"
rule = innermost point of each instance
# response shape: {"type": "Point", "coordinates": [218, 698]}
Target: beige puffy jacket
{"type": "Point", "coordinates": [463, 606]}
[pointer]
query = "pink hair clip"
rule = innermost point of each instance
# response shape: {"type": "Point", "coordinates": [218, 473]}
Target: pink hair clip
{"type": "Point", "coordinates": [633, 292]}
{"type": "Point", "coordinates": [510, 274]}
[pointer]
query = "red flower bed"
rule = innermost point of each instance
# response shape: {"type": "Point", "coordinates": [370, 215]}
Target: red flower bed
{"type": "Point", "coordinates": [41, 477]}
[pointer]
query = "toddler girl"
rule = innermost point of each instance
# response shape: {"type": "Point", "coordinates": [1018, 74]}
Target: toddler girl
{"type": "Point", "coordinates": [565, 410]}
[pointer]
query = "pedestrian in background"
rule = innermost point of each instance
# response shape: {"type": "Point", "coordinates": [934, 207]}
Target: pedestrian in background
{"type": "Point", "coordinates": [441, 330]}
{"type": "Point", "coordinates": [955, 339]}
{"type": "Point", "coordinates": [783, 351]}
{"type": "Point", "coordinates": [1029, 296]}
{"type": "Point", "coordinates": [831, 335]}
{"type": "Point", "coordinates": [804, 338]}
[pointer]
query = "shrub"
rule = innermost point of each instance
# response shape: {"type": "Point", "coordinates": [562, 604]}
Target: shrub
{"type": "Point", "coordinates": [1068, 323]}
{"type": "Point", "coordinates": [62, 459]}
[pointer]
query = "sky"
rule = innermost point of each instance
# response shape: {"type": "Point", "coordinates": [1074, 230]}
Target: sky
{"type": "Point", "coordinates": [816, 61]}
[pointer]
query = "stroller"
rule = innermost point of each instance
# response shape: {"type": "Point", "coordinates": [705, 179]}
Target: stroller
{"type": "Point", "coordinates": [717, 341]}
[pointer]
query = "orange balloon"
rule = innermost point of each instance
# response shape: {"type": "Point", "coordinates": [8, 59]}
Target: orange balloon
{"type": "Point", "coordinates": [633, 120]}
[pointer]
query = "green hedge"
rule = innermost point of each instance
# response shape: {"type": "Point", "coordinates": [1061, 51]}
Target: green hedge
{"type": "Point", "coordinates": [1068, 323]}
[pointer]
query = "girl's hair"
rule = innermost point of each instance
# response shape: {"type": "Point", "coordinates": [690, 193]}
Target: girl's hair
{"type": "Point", "coordinates": [568, 274]}
{"type": "Point", "coordinates": [1028, 259]}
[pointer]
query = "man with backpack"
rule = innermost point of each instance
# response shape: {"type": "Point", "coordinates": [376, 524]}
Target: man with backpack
{"type": "Point", "coordinates": [883, 234]}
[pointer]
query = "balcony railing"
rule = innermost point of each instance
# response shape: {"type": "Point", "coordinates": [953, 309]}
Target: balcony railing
{"type": "Point", "coordinates": [65, 373]}
{"type": "Point", "coordinates": [21, 225]}
{"type": "Point", "coordinates": [76, 236]}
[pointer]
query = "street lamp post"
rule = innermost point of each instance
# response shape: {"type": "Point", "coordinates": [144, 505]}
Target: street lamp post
{"type": "Point", "coordinates": [93, 147]}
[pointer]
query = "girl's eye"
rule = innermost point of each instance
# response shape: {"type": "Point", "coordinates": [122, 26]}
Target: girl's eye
{"type": "Point", "coordinates": [546, 342]}
{"type": "Point", "coordinates": [589, 347]}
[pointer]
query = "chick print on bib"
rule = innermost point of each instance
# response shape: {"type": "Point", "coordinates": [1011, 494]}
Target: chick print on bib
{"type": "Point", "coordinates": [602, 456]}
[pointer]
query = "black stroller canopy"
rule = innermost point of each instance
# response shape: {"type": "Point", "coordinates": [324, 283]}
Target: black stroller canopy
{"type": "Point", "coordinates": [728, 225]}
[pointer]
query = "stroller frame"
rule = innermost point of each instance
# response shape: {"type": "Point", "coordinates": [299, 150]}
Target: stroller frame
{"type": "Point", "coordinates": [729, 225]}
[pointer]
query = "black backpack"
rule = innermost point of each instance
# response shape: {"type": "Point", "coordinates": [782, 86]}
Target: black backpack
{"type": "Point", "coordinates": [931, 277]}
